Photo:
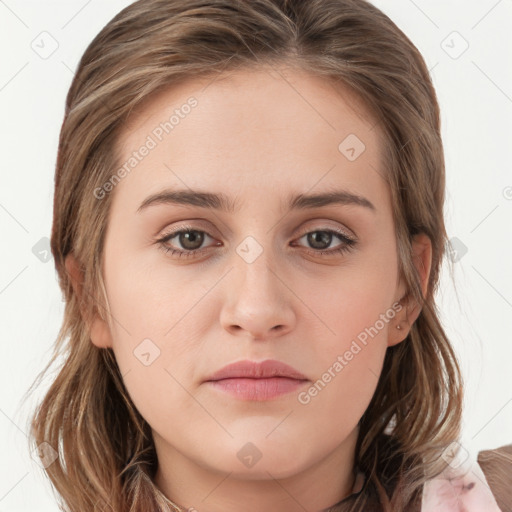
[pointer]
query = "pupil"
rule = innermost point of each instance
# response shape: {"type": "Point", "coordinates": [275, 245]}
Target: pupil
{"type": "Point", "coordinates": [191, 239]}
{"type": "Point", "coordinates": [325, 238]}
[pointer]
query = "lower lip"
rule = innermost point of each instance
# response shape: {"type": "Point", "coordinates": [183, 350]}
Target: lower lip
{"type": "Point", "coordinates": [257, 389]}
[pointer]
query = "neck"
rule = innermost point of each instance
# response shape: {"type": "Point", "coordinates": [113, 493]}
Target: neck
{"type": "Point", "coordinates": [316, 487]}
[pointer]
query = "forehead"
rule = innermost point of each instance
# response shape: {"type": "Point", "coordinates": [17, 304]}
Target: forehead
{"type": "Point", "coordinates": [276, 126]}
{"type": "Point", "coordinates": [283, 88]}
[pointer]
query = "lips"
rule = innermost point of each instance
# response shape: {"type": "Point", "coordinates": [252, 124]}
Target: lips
{"type": "Point", "coordinates": [256, 370]}
{"type": "Point", "coordinates": [257, 381]}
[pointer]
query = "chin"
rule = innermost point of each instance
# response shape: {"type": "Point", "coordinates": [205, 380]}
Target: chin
{"type": "Point", "coordinates": [261, 460]}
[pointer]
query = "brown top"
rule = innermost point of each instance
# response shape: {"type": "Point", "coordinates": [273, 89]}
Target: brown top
{"type": "Point", "coordinates": [497, 467]}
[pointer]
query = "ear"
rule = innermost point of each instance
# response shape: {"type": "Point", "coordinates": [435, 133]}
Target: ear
{"type": "Point", "coordinates": [99, 330]}
{"type": "Point", "coordinates": [422, 259]}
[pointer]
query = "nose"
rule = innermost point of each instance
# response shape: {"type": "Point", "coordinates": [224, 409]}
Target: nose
{"type": "Point", "coordinates": [258, 301]}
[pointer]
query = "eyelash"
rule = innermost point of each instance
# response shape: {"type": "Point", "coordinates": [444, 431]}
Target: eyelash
{"type": "Point", "coordinates": [348, 243]}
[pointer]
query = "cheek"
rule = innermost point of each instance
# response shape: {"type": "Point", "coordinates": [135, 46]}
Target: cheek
{"type": "Point", "coordinates": [349, 364]}
{"type": "Point", "coordinates": [157, 332]}
{"type": "Point", "coordinates": [157, 342]}
{"type": "Point", "coordinates": [153, 299]}
{"type": "Point", "coordinates": [356, 306]}
{"type": "Point", "coordinates": [350, 342]}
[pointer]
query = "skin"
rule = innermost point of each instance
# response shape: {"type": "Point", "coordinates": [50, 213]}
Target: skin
{"type": "Point", "coordinates": [256, 136]}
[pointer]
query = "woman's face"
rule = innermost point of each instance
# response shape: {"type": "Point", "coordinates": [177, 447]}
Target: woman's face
{"type": "Point", "coordinates": [281, 271]}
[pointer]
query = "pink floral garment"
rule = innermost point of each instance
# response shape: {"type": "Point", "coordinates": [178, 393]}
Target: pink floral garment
{"type": "Point", "coordinates": [463, 489]}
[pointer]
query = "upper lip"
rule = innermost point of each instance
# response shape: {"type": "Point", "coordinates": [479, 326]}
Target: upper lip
{"type": "Point", "coordinates": [257, 370]}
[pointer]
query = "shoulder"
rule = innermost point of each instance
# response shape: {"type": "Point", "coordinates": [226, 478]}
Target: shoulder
{"type": "Point", "coordinates": [472, 484]}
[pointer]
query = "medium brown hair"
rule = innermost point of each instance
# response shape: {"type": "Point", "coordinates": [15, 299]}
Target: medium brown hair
{"type": "Point", "coordinates": [106, 453]}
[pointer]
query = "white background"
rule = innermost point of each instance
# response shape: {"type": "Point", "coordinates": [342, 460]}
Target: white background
{"type": "Point", "coordinates": [475, 93]}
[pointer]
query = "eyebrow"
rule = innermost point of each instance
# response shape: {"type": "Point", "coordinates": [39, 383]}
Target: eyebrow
{"type": "Point", "coordinates": [223, 203]}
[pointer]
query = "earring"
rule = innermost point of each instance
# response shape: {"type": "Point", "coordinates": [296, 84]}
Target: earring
{"type": "Point", "coordinates": [398, 326]}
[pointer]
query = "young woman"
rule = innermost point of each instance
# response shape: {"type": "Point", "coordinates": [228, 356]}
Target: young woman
{"type": "Point", "coordinates": [248, 230]}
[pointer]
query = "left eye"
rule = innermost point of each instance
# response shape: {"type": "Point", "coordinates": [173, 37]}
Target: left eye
{"type": "Point", "coordinates": [191, 241]}
{"type": "Point", "coordinates": [319, 238]}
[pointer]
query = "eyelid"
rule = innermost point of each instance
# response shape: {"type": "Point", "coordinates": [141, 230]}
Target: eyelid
{"type": "Point", "coordinates": [198, 225]}
{"type": "Point", "coordinates": [188, 225]}
{"type": "Point", "coordinates": [167, 235]}
{"type": "Point", "coordinates": [347, 241]}
{"type": "Point", "coordinates": [343, 232]}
